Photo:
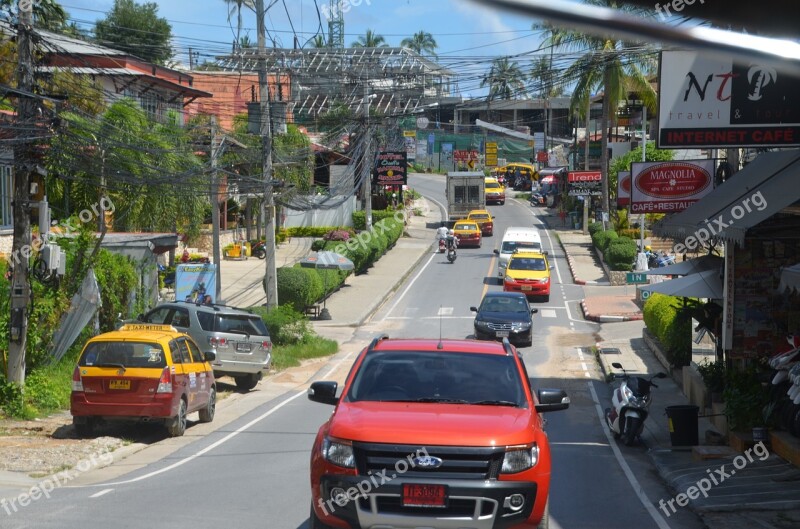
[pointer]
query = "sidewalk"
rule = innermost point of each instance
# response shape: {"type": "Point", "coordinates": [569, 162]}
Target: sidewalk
{"type": "Point", "coordinates": [758, 493]}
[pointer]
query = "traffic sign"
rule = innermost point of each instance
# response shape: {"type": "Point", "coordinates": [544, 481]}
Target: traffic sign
{"type": "Point", "coordinates": [635, 278]}
{"type": "Point", "coordinates": [491, 154]}
{"type": "Point", "coordinates": [645, 294]}
{"type": "Point", "coordinates": [471, 164]}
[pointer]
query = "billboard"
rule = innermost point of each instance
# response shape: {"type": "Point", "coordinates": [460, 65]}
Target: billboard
{"type": "Point", "coordinates": [707, 102]}
{"type": "Point", "coordinates": [669, 187]}
{"type": "Point", "coordinates": [623, 188]}
{"type": "Point", "coordinates": [390, 168]}
{"type": "Point", "coordinates": [194, 281]}
{"type": "Point", "coordinates": [583, 183]}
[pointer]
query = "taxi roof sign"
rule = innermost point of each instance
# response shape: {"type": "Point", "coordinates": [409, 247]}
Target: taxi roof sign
{"type": "Point", "coordinates": [147, 327]}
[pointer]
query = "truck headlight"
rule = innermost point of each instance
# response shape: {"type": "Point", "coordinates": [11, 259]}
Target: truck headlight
{"type": "Point", "coordinates": [519, 458]}
{"type": "Point", "coordinates": [340, 453]}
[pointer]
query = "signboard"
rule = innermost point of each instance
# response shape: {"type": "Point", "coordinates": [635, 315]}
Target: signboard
{"type": "Point", "coordinates": [708, 102]}
{"type": "Point", "coordinates": [623, 188]}
{"type": "Point", "coordinates": [636, 278]}
{"type": "Point", "coordinates": [582, 183]}
{"type": "Point", "coordinates": [542, 157]}
{"type": "Point", "coordinates": [422, 148]}
{"type": "Point", "coordinates": [491, 154]}
{"type": "Point", "coordinates": [410, 138]}
{"type": "Point", "coordinates": [194, 281]}
{"type": "Point", "coordinates": [669, 187]}
{"type": "Point", "coordinates": [390, 168]}
{"type": "Point", "coordinates": [463, 155]}
{"type": "Point", "coordinates": [645, 294]}
{"type": "Point", "coordinates": [538, 141]}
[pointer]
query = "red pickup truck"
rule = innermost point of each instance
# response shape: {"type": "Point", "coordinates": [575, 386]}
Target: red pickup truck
{"type": "Point", "coordinates": [433, 433]}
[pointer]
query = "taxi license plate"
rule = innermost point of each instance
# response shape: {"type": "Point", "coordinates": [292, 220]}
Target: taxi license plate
{"type": "Point", "coordinates": [502, 334]}
{"type": "Point", "coordinates": [527, 287]}
{"type": "Point", "coordinates": [417, 495]}
{"type": "Point", "coordinates": [119, 384]}
{"type": "Point", "coordinates": [243, 347]}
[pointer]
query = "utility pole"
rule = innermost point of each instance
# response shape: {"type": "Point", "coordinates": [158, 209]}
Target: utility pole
{"type": "Point", "coordinates": [366, 165]}
{"type": "Point", "coordinates": [21, 245]}
{"type": "Point", "coordinates": [270, 276]}
{"type": "Point", "coordinates": [216, 148]}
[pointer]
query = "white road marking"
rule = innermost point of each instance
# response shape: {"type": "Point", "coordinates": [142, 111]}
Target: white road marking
{"type": "Point", "coordinates": [101, 493]}
{"type": "Point", "coordinates": [635, 485]}
{"type": "Point", "coordinates": [408, 287]}
{"type": "Point", "coordinates": [445, 311]}
{"type": "Point", "coordinates": [583, 365]}
{"type": "Point", "coordinates": [224, 439]}
{"type": "Point", "coordinates": [547, 313]}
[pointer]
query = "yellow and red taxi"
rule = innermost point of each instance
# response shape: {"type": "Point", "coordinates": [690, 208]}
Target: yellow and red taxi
{"type": "Point", "coordinates": [142, 372]}
{"type": "Point", "coordinates": [484, 220]}
{"type": "Point", "coordinates": [529, 273]}
{"type": "Point", "coordinates": [468, 233]}
{"type": "Point", "coordinates": [495, 192]}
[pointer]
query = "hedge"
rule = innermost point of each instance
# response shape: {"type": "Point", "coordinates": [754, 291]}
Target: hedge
{"type": "Point", "coordinates": [664, 317]}
{"type": "Point", "coordinates": [620, 254]}
{"type": "Point", "coordinates": [360, 217]}
{"type": "Point", "coordinates": [298, 287]}
{"type": "Point", "coordinates": [314, 231]}
{"type": "Point", "coordinates": [633, 233]}
{"type": "Point", "coordinates": [594, 227]}
{"type": "Point", "coordinates": [601, 239]}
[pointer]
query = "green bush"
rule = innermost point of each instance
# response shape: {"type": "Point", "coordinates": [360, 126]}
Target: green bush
{"type": "Point", "coordinates": [360, 217]}
{"type": "Point", "coordinates": [601, 239]}
{"type": "Point", "coordinates": [313, 231]}
{"type": "Point", "coordinates": [298, 287]}
{"type": "Point", "coordinates": [286, 325]}
{"type": "Point", "coordinates": [620, 254]}
{"type": "Point", "coordinates": [671, 325]}
{"type": "Point", "coordinates": [594, 227]}
{"type": "Point", "coordinates": [633, 233]}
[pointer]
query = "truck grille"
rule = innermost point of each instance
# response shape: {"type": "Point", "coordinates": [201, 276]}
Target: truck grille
{"type": "Point", "coordinates": [457, 462]}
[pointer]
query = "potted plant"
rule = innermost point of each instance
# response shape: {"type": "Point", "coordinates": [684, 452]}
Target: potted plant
{"type": "Point", "coordinates": [745, 399]}
{"type": "Point", "coordinates": [713, 375]}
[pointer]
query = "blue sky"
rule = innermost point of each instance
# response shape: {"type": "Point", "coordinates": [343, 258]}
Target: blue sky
{"type": "Point", "coordinates": [468, 34]}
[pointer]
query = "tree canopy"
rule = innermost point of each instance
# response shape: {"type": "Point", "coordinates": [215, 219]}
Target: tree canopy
{"type": "Point", "coordinates": [136, 29]}
{"type": "Point", "coordinates": [421, 42]}
{"type": "Point", "coordinates": [370, 40]}
{"type": "Point", "coordinates": [504, 79]}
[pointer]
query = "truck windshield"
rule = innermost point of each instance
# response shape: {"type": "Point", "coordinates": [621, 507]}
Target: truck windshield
{"type": "Point", "coordinates": [438, 377]}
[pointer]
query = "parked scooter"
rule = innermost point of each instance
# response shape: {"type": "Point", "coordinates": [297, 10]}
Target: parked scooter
{"type": "Point", "coordinates": [259, 250]}
{"type": "Point", "coordinates": [630, 403]}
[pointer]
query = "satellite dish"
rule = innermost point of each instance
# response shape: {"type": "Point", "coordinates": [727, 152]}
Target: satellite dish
{"type": "Point", "coordinates": [422, 123]}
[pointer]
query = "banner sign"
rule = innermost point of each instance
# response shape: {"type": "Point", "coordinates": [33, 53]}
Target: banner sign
{"type": "Point", "coordinates": [194, 281]}
{"type": "Point", "coordinates": [491, 154]}
{"type": "Point", "coordinates": [411, 145]}
{"type": "Point", "coordinates": [623, 188]}
{"type": "Point", "coordinates": [669, 187]}
{"type": "Point", "coordinates": [463, 155]}
{"type": "Point", "coordinates": [707, 102]}
{"type": "Point", "coordinates": [390, 168]}
{"type": "Point", "coordinates": [585, 183]}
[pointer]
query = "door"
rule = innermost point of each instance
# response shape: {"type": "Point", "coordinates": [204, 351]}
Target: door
{"type": "Point", "coordinates": [204, 377]}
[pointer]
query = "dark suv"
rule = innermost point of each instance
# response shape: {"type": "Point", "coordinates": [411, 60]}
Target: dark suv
{"type": "Point", "coordinates": [240, 339]}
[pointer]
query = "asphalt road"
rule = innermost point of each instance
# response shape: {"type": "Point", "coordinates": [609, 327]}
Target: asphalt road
{"type": "Point", "coordinates": [253, 472]}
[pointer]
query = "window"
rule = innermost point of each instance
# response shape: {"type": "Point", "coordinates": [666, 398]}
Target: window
{"type": "Point", "coordinates": [206, 320]}
{"type": "Point", "coordinates": [176, 352]}
{"type": "Point", "coordinates": [180, 318]}
{"type": "Point", "coordinates": [241, 325]}
{"type": "Point", "coordinates": [159, 316]}
{"type": "Point", "coordinates": [183, 348]}
{"type": "Point", "coordinates": [126, 354]}
{"type": "Point", "coordinates": [197, 355]}
{"type": "Point", "coordinates": [6, 194]}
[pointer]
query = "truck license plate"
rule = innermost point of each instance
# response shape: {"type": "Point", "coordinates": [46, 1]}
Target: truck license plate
{"type": "Point", "coordinates": [417, 495]}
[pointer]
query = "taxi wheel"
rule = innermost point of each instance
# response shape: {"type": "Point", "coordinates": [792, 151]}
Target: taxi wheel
{"type": "Point", "coordinates": [176, 426]}
{"type": "Point", "coordinates": [247, 382]}
{"type": "Point", "coordinates": [315, 523]}
{"type": "Point", "coordinates": [207, 413]}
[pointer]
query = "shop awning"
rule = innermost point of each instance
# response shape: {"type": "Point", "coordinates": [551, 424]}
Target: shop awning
{"type": "Point", "coordinates": [706, 284]}
{"type": "Point", "coordinates": [790, 278]}
{"type": "Point", "coordinates": [692, 266]}
{"type": "Point", "coordinates": [760, 190]}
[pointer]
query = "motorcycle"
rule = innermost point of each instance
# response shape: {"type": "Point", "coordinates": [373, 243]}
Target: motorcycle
{"type": "Point", "coordinates": [259, 250]}
{"type": "Point", "coordinates": [630, 401]}
{"type": "Point", "coordinates": [451, 251]}
{"type": "Point", "coordinates": [656, 260]}
{"type": "Point", "coordinates": [442, 246]}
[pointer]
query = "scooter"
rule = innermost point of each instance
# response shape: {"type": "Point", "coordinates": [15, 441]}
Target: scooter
{"type": "Point", "coordinates": [259, 250]}
{"type": "Point", "coordinates": [442, 246]}
{"type": "Point", "coordinates": [451, 253]}
{"type": "Point", "coordinates": [630, 403]}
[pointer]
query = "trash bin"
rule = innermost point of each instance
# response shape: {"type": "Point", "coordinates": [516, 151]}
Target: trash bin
{"type": "Point", "coordinates": [683, 425]}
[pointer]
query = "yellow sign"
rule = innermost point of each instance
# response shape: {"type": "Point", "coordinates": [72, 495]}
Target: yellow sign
{"type": "Point", "coordinates": [491, 154]}
{"type": "Point", "coordinates": [410, 133]}
{"type": "Point", "coordinates": [471, 164]}
{"type": "Point", "coordinates": [147, 327]}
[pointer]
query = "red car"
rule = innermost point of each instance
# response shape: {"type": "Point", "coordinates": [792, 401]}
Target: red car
{"type": "Point", "coordinates": [433, 433]}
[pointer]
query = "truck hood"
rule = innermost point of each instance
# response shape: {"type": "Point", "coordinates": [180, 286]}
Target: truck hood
{"type": "Point", "coordinates": [433, 424]}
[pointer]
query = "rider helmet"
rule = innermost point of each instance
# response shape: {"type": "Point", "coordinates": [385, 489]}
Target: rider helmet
{"type": "Point", "coordinates": [451, 232]}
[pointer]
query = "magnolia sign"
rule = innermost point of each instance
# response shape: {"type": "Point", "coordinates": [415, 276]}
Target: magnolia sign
{"type": "Point", "coordinates": [669, 187]}
{"type": "Point", "coordinates": [623, 188]}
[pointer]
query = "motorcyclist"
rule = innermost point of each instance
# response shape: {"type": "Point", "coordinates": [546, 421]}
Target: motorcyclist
{"type": "Point", "coordinates": [441, 231]}
{"type": "Point", "coordinates": [452, 240]}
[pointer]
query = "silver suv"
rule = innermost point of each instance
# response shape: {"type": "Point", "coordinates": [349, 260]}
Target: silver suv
{"type": "Point", "coordinates": [240, 339]}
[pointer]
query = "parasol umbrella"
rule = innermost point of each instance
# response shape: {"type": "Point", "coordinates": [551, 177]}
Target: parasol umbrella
{"type": "Point", "coordinates": [706, 284]}
{"type": "Point", "coordinates": [326, 260]}
{"type": "Point", "coordinates": [685, 268]}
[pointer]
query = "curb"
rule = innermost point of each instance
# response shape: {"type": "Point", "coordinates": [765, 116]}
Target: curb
{"type": "Point", "coordinates": [602, 318]}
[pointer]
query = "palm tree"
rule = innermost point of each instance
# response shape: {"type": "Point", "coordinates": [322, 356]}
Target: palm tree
{"type": "Point", "coordinates": [544, 76]}
{"type": "Point", "coordinates": [370, 40]}
{"type": "Point", "coordinates": [617, 67]}
{"type": "Point", "coordinates": [236, 7]}
{"type": "Point", "coordinates": [47, 14]}
{"type": "Point", "coordinates": [245, 42]}
{"type": "Point", "coordinates": [421, 42]}
{"type": "Point", "coordinates": [504, 79]}
{"type": "Point", "coordinates": [319, 42]}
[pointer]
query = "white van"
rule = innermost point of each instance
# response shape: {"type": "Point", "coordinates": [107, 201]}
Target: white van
{"type": "Point", "coordinates": [516, 238]}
